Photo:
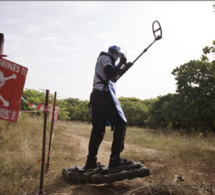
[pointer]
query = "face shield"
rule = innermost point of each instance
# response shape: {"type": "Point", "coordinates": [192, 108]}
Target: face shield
{"type": "Point", "coordinates": [117, 51]}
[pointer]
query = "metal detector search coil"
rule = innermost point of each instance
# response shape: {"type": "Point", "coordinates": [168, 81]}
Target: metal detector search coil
{"type": "Point", "coordinates": [159, 29]}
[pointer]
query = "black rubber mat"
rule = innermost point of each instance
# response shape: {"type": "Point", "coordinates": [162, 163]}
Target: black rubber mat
{"type": "Point", "coordinates": [78, 175]}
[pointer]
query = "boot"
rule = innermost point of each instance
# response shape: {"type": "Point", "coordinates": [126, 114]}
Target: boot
{"type": "Point", "coordinates": [114, 161]}
{"type": "Point", "coordinates": [91, 163]}
{"type": "Point", "coordinates": [117, 161]}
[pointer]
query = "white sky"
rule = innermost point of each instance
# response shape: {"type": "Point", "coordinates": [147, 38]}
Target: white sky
{"type": "Point", "coordinates": [59, 41]}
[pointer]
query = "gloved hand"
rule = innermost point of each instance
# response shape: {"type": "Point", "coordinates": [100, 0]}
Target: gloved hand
{"type": "Point", "coordinates": [123, 59]}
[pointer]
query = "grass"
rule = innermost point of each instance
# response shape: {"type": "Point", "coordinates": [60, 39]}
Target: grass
{"type": "Point", "coordinates": [21, 149]}
{"type": "Point", "coordinates": [192, 156]}
{"type": "Point", "coordinates": [166, 154]}
{"type": "Point", "coordinates": [186, 147]}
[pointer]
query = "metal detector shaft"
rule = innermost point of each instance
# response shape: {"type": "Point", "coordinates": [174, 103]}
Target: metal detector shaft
{"type": "Point", "coordinates": [129, 65]}
{"type": "Point", "coordinates": [145, 50]}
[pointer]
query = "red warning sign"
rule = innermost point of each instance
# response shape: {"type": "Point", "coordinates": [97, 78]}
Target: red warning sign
{"type": "Point", "coordinates": [12, 80]}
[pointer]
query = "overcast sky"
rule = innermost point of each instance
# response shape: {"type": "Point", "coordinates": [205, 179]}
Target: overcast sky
{"type": "Point", "coordinates": [59, 42]}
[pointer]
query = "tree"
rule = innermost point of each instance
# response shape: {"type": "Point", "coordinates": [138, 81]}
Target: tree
{"type": "Point", "coordinates": [63, 112]}
{"type": "Point", "coordinates": [196, 85]}
{"type": "Point", "coordinates": [32, 96]}
{"type": "Point", "coordinates": [167, 112]}
{"type": "Point", "coordinates": [135, 110]}
{"type": "Point", "coordinates": [207, 51]}
{"type": "Point", "coordinates": [81, 111]}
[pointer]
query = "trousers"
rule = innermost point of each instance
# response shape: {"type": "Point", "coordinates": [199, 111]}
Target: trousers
{"type": "Point", "coordinates": [103, 109]}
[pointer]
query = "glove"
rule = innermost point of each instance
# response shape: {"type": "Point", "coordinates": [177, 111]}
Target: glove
{"type": "Point", "coordinates": [123, 59]}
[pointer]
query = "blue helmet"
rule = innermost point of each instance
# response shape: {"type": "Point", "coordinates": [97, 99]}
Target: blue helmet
{"type": "Point", "coordinates": [116, 50]}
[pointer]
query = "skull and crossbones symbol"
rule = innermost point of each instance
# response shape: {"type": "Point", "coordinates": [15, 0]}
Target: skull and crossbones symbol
{"type": "Point", "coordinates": [2, 82]}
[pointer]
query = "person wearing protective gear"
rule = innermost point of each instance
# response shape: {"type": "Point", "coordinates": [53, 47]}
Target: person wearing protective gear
{"type": "Point", "coordinates": [106, 108]}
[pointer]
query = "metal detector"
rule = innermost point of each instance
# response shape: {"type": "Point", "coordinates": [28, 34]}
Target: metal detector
{"type": "Point", "coordinates": [157, 32]}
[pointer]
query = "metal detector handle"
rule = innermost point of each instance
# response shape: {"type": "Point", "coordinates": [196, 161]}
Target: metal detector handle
{"type": "Point", "coordinates": [122, 71]}
{"type": "Point", "coordinates": [156, 30]}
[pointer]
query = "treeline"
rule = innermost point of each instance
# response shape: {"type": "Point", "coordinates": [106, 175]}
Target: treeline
{"type": "Point", "coordinates": [192, 107]}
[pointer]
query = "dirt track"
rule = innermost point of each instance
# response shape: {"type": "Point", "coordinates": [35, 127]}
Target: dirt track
{"type": "Point", "coordinates": [163, 170]}
{"type": "Point", "coordinates": [120, 187]}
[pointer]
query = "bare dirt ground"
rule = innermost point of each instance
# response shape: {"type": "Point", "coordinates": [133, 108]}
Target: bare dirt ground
{"type": "Point", "coordinates": [198, 179]}
{"type": "Point", "coordinates": [119, 187]}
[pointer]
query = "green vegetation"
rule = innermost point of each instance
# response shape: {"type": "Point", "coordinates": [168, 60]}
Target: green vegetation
{"type": "Point", "coordinates": [191, 108]}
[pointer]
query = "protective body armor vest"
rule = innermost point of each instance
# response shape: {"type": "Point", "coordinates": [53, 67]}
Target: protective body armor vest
{"type": "Point", "coordinates": [111, 88]}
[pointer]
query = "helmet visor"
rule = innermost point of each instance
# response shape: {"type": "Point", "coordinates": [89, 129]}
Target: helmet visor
{"type": "Point", "coordinates": [117, 50]}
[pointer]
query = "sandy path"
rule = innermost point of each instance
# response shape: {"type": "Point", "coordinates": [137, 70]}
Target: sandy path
{"type": "Point", "coordinates": [118, 188]}
{"type": "Point", "coordinates": [105, 148]}
{"type": "Point", "coordinates": [154, 160]}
